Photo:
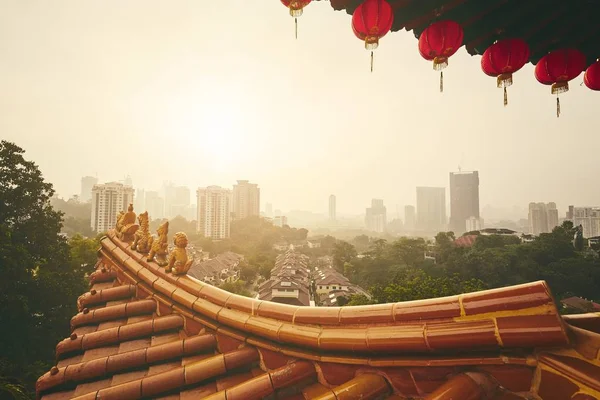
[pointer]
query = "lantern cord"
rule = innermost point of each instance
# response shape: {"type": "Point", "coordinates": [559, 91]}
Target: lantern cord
{"type": "Point", "coordinates": [441, 81]}
{"type": "Point", "coordinates": [371, 61]}
{"type": "Point", "coordinates": [296, 26]}
{"type": "Point", "coordinates": [505, 97]}
{"type": "Point", "coordinates": [557, 107]}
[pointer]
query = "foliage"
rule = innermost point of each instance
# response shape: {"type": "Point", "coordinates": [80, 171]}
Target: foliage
{"type": "Point", "coordinates": [360, 300]}
{"type": "Point", "coordinates": [77, 216]}
{"type": "Point", "coordinates": [13, 389]}
{"type": "Point", "coordinates": [41, 275]}
{"type": "Point", "coordinates": [397, 271]}
{"type": "Point", "coordinates": [342, 252]}
{"type": "Point", "coordinates": [415, 284]}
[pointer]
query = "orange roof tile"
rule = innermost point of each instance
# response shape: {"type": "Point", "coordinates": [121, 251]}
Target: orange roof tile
{"type": "Point", "coordinates": [143, 333]}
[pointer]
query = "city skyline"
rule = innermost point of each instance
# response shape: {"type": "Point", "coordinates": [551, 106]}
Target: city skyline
{"type": "Point", "coordinates": [515, 213]}
{"type": "Point", "coordinates": [74, 79]}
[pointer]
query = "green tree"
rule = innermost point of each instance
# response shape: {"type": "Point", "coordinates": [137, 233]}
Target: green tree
{"type": "Point", "coordinates": [343, 252]}
{"type": "Point", "coordinates": [359, 300]}
{"type": "Point", "coordinates": [38, 285]}
{"type": "Point", "coordinates": [410, 250]}
{"type": "Point", "coordinates": [248, 271]}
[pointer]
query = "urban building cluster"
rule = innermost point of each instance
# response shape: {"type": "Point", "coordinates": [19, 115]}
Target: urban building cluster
{"type": "Point", "coordinates": [213, 212]}
{"type": "Point", "coordinates": [216, 207]}
{"type": "Point", "coordinates": [217, 270]}
{"type": "Point", "coordinates": [429, 216]}
{"type": "Point", "coordinates": [289, 282]}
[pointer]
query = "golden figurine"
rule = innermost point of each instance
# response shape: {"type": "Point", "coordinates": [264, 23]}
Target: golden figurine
{"type": "Point", "coordinates": [126, 226]}
{"type": "Point", "coordinates": [143, 238]}
{"type": "Point", "coordinates": [178, 259]}
{"type": "Point", "coordinates": [159, 248]}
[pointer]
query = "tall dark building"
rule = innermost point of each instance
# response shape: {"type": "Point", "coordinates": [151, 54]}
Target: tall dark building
{"type": "Point", "coordinates": [464, 199]}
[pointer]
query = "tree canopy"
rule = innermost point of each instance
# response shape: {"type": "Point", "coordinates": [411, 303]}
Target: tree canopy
{"type": "Point", "coordinates": [397, 271]}
{"type": "Point", "coordinates": [42, 273]}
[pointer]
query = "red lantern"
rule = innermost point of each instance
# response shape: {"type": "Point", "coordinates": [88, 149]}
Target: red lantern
{"type": "Point", "coordinates": [503, 59]}
{"type": "Point", "coordinates": [296, 8]}
{"type": "Point", "coordinates": [371, 21]}
{"type": "Point", "coordinates": [592, 76]}
{"type": "Point", "coordinates": [438, 42]}
{"type": "Point", "coordinates": [558, 68]}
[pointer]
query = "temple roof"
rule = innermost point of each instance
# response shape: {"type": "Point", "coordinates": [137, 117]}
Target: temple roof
{"type": "Point", "coordinates": [546, 25]}
{"type": "Point", "coordinates": [145, 333]}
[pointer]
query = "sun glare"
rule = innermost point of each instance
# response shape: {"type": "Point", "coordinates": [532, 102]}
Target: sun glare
{"type": "Point", "coordinates": [213, 129]}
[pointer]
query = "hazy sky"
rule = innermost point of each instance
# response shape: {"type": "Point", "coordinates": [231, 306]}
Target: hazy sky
{"type": "Point", "coordinates": [205, 93]}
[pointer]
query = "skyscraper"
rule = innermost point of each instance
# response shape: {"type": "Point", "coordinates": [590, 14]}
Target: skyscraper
{"type": "Point", "coordinates": [87, 183]}
{"type": "Point", "coordinates": [155, 205]}
{"type": "Point", "coordinates": [140, 201]}
{"type": "Point", "coordinates": [177, 201]}
{"type": "Point", "coordinates": [246, 200]}
{"type": "Point", "coordinates": [128, 181]}
{"type": "Point", "coordinates": [542, 218]}
{"type": "Point", "coordinates": [332, 215]}
{"type": "Point", "coordinates": [410, 218]}
{"type": "Point", "coordinates": [376, 216]}
{"type": "Point", "coordinates": [214, 212]}
{"type": "Point", "coordinates": [587, 217]}
{"type": "Point", "coordinates": [269, 210]}
{"type": "Point", "coordinates": [107, 200]}
{"type": "Point", "coordinates": [464, 199]}
{"type": "Point", "coordinates": [431, 209]}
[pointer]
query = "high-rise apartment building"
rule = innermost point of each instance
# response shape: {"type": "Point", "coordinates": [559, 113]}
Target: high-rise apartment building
{"type": "Point", "coordinates": [140, 200]}
{"type": "Point", "coordinates": [214, 213]}
{"type": "Point", "coordinates": [268, 210]}
{"type": "Point", "coordinates": [128, 181]}
{"type": "Point", "coordinates": [376, 216]}
{"type": "Point", "coordinates": [431, 209]}
{"type": "Point", "coordinates": [246, 200]}
{"type": "Point", "coordinates": [464, 199]}
{"type": "Point", "coordinates": [410, 218]}
{"type": "Point", "coordinates": [588, 218]}
{"type": "Point", "coordinates": [154, 204]}
{"type": "Point", "coordinates": [87, 183]}
{"type": "Point", "coordinates": [543, 218]}
{"type": "Point", "coordinates": [177, 201]}
{"type": "Point", "coordinates": [474, 224]}
{"type": "Point", "coordinates": [107, 200]}
{"type": "Point", "coordinates": [280, 221]}
{"type": "Point", "coordinates": [552, 216]}
{"type": "Point", "coordinates": [332, 212]}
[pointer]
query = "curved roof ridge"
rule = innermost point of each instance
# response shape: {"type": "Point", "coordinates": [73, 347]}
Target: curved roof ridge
{"type": "Point", "coordinates": [475, 321]}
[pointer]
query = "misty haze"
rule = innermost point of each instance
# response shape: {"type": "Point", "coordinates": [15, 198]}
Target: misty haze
{"type": "Point", "coordinates": [327, 199]}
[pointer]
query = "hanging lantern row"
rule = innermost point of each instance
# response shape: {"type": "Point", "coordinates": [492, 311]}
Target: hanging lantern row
{"type": "Point", "coordinates": [373, 19]}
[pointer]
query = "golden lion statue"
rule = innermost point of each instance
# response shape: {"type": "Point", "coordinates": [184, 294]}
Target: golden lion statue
{"type": "Point", "coordinates": [159, 248]}
{"type": "Point", "coordinates": [126, 226]}
{"type": "Point", "coordinates": [178, 259]}
{"type": "Point", "coordinates": [143, 239]}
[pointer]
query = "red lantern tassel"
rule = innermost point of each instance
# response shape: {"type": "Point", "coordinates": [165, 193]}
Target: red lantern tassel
{"type": "Point", "coordinates": [371, 61]}
{"type": "Point", "coordinates": [296, 26]}
{"type": "Point", "coordinates": [441, 81]}
{"type": "Point", "coordinates": [505, 97]}
{"type": "Point", "coordinates": [557, 107]}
